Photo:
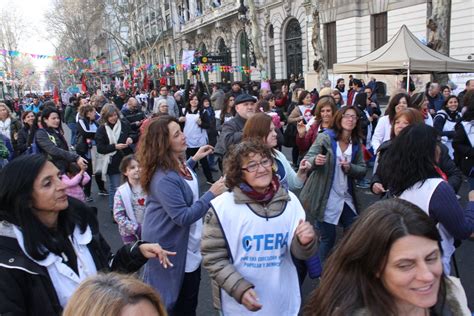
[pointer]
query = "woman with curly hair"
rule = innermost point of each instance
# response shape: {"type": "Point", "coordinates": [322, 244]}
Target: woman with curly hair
{"type": "Point", "coordinates": [173, 211]}
{"type": "Point", "coordinates": [250, 235]}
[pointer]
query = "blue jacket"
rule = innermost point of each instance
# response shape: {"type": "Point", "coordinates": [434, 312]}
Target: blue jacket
{"type": "Point", "coordinates": [169, 213]}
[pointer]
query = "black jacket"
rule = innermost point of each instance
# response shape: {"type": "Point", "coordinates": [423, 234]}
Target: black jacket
{"type": "Point", "coordinates": [27, 289]}
{"type": "Point", "coordinates": [463, 150]}
{"type": "Point", "coordinates": [84, 136]}
{"type": "Point", "coordinates": [104, 146]}
{"type": "Point", "coordinates": [446, 164]}
{"type": "Point", "coordinates": [231, 134]}
{"type": "Point", "coordinates": [53, 144]}
{"type": "Point", "coordinates": [22, 141]}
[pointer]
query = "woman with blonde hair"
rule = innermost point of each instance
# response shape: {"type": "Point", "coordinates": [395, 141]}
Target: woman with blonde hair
{"type": "Point", "coordinates": [114, 294]}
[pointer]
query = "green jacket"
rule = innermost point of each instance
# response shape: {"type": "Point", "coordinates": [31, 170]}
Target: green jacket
{"type": "Point", "coordinates": [70, 114]}
{"type": "Point", "coordinates": [315, 193]}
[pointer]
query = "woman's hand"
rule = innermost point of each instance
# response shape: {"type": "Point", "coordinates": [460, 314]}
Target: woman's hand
{"type": "Point", "coordinates": [203, 151]}
{"type": "Point", "coordinates": [82, 163]}
{"type": "Point", "coordinates": [471, 196]}
{"type": "Point", "coordinates": [320, 160]}
{"type": "Point", "coordinates": [250, 300]}
{"type": "Point", "coordinates": [129, 141]}
{"type": "Point", "coordinates": [345, 165]}
{"type": "Point", "coordinates": [378, 188]}
{"type": "Point", "coordinates": [182, 119]}
{"type": "Point", "coordinates": [154, 250]}
{"type": "Point", "coordinates": [305, 232]}
{"type": "Point", "coordinates": [199, 121]}
{"type": "Point", "coordinates": [301, 129]}
{"type": "Point", "coordinates": [304, 168]}
{"type": "Point", "coordinates": [218, 187]}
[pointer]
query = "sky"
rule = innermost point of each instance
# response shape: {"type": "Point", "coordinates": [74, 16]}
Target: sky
{"type": "Point", "coordinates": [35, 39]}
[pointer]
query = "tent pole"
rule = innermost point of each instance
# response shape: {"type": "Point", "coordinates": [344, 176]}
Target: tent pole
{"type": "Point", "coordinates": [408, 79]}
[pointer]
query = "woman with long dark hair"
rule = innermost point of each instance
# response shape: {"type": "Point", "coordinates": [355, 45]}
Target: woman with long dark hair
{"type": "Point", "coordinates": [173, 213]}
{"type": "Point", "coordinates": [195, 130]}
{"type": "Point", "coordinates": [228, 111]}
{"type": "Point", "coordinates": [446, 120]}
{"type": "Point", "coordinates": [51, 141]}
{"type": "Point", "coordinates": [410, 171]}
{"type": "Point", "coordinates": [328, 195]}
{"type": "Point", "coordinates": [397, 103]}
{"type": "Point", "coordinates": [389, 263]}
{"type": "Point", "coordinates": [49, 243]}
{"type": "Point", "coordinates": [26, 133]}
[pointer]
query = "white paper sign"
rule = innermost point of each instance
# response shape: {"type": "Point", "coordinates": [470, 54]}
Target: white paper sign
{"type": "Point", "coordinates": [188, 57]}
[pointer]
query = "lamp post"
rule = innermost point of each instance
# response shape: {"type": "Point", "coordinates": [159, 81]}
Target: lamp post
{"type": "Point", "coordinates": [242, 16]}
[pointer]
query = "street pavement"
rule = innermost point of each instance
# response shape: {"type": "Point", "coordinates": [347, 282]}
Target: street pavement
{"type": "Point", "coordinates": [464, 254]}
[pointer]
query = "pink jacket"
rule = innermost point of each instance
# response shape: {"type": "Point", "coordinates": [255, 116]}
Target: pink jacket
{"type": "Point", "coordinates": [75, 184]}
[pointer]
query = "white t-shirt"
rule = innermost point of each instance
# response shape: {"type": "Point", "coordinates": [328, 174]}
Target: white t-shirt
{"type": "Point", "coordinates": [193, 254]}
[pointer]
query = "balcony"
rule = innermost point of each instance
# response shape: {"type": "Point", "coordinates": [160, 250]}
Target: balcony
{"type": "Point", "coordinates": [210, 16]}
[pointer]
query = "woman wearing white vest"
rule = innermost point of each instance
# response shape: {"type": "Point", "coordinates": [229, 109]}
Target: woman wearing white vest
{"type": "Point", "coordinates": [410, 170]}
{"type": "Point", "coordinates": [250, 234]}
{"type": "Point", "coordinates": [445, 121]}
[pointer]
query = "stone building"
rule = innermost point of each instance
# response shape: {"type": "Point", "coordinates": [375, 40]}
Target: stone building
{"type": "Point", "coordinates": [349, 29]}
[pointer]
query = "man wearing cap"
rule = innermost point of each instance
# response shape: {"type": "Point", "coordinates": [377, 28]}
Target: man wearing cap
{"type": "Point", "coordinates": [232, 130]}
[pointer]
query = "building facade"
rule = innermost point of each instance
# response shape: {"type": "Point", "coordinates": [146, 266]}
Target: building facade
{"type": "Point", "coordinates": [349, 29]}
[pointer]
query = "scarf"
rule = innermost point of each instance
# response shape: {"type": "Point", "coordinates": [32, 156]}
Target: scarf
{"type": "Point", "coordinates": [113, 135]}
{"type": "Point", "coordinates": [440, 172]}
{"type": "Point", "coordinates": [5, 127]}
{"type": "Point", "coordinates": [265, 197]}
{"type": "Point", "coordinates": [184, 171]}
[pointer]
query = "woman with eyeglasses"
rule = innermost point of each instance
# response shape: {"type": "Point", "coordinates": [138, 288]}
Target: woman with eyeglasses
{"type": "Point", "coordinates": [328, 195]}
{"type": "Point", "coordinates": [250, 235]}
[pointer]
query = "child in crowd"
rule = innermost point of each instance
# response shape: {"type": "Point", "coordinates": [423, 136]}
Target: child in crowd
{"type": "Point", "coordinates": [129, 201]}
{"type": "Point", "coordinates": [75, 179]}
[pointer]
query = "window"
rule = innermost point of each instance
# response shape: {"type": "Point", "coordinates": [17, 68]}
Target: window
{"type": "Point", "coordinates": [379, 30]}
{"type": "Point", "coordinates": [331, 45]}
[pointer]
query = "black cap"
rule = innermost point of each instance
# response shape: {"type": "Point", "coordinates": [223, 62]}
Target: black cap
{"type": "Point", "coordinates": [242, 98]}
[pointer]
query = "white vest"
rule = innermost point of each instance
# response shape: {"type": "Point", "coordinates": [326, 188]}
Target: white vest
{"type": "Point", "coordinates": [259, 248]}
{"type": "Point", "coordinates": [421, 197]}
{"type": "Point", "coordinates": [448, 127]}
{"type": "Point", "coordinates": [195, 135]}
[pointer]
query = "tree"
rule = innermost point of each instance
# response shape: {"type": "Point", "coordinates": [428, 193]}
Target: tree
{"type": "Point", "coordinates": [76, 30]}
{"type": "Point", "coordinates": [438, 32]}
{"type": "Point", "coordinates": [12, 29]}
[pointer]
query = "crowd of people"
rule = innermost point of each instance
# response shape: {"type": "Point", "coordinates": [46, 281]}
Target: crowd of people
{"type": "Point", "coordinates": [265, 223]}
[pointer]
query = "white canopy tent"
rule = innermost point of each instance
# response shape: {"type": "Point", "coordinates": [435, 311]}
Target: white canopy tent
{"type": "Point", "coordinates": [404, 54]}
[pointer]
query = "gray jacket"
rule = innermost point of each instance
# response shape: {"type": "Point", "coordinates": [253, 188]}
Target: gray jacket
{"type": "Point", "coordinates": [215, 253]}
{"type": "Point", "coordinates": [231, 134]}
{"type": "Point", "coordinates": [217, 99]}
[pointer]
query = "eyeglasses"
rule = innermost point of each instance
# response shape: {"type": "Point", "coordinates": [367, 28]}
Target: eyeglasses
{"type": "Point", "coordinates": [253, 166]}
{"type": "Point", "coordinates": [350, 117]}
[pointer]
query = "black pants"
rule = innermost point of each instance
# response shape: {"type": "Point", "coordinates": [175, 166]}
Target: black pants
{"type": "Point", "coordinates": [204, 163]}
{"type": "Point", "coordinates": [187, 302]}
{"type": "Point", "coordinates": [98, 178]}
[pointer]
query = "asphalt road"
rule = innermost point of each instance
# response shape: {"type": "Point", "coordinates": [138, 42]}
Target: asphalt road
{"type": "Point", "coordinates": [464, 254]}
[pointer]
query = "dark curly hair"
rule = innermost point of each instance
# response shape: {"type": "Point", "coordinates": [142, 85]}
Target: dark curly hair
{"type": "Point", "coordinates": [390, 111]}
{"type": "Point", "coordinates": [234, 159]}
